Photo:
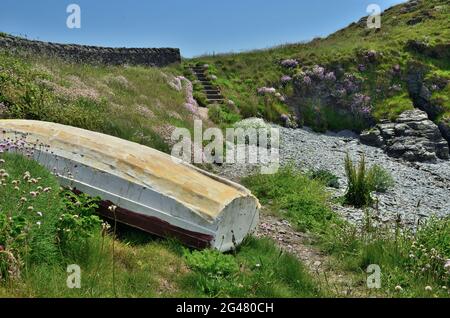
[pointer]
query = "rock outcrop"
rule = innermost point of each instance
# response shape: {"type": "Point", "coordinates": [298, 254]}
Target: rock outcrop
{"type": "Point", "coordinates": [412, 137]}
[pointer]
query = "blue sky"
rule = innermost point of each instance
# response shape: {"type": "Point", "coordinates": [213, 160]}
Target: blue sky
{"type": "Point", "coordinates": [194, 26]}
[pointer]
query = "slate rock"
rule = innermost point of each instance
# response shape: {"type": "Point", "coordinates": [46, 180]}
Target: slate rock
{"type": "Point", "coordinates": [412, 137]}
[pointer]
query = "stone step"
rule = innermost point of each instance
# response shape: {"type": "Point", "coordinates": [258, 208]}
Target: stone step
{"type": "Point", "coordinates": [213, 94]}
{"type": "Point", "coordinates": [219, 101]}
{"type": "Point", "coordinates": [212, 91]}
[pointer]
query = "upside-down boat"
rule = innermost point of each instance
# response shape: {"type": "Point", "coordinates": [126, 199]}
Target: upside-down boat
{"type": "Point", "coordinates": [148, 189]}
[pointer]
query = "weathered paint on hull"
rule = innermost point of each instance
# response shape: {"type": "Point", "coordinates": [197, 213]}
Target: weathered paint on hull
{"type": "Point", "coordinates": [152, 191]}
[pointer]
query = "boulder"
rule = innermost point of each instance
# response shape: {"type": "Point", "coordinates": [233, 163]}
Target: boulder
{"type": "Point", "coordinates": [444, 127]}
{"type": "Point", "coordinates": [412, 137]}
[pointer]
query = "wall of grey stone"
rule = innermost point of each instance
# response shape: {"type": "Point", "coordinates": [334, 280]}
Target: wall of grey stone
{"type": "Point", "coordinates": [93, 54]}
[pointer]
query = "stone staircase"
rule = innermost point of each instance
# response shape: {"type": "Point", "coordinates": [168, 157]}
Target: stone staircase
{"type": "Point", "coordinates": [212, 92]}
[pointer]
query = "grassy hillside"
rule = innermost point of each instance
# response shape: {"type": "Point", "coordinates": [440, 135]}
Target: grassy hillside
{"type": "Point", "coordinates": [134, 103]}
{"type": "Point", "coordinates": [376, 62]}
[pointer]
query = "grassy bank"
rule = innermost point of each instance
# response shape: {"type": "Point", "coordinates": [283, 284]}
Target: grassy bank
{"type": "Point", "coordinates": [412, 262]}
{"type": "Point", "coordinates": [346, 52]}
{"type": "Point", "coordinates": [133, 103]}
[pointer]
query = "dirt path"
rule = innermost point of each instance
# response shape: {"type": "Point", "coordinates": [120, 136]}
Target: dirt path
{"type": "Point", "coordinates": [338, 283]}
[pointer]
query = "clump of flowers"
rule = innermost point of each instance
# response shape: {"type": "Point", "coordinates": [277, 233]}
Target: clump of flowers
{"type": "Point", "coordinates": [350, 83]}
{"type": "Point", "coordinates": [289, 63]}
{"type": "Point", "coordinates": [330, 76]}
{"type": "Point", "coordinates": [396, 88]}
{"type": "Point", "coordinates": [340, 92]}
{"type": "Point", "coordinates": [371, 56]}
{"type": "Point", "coordinates": [29, 228]}
{"type": "Point", "coordinates": [266, 90]}
{"type": "Point", "coordinates": [396, 70]}
{"type": "Point", "coordinates": [307, 80]}
{"type": "Point", "coordinates": [428, 261]}
{"type": "Point", "coordinates": [280, 97]}
{"type": "Point", "coordinates": [289, 121]}
{"type": "Point", "coordinates": [318, 72]}
{"type": "Point", "coordinates": [361, 104]}
{"type": "Point", "coordinates": [447, 265]}
{"type": "Point", "coordinates": [286, 79]}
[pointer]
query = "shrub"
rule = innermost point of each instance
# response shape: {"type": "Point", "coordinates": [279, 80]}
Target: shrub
{"type": "Point", "coordinates": [359, 183]}
{"type": "Point", "coordinates": [381, 179]}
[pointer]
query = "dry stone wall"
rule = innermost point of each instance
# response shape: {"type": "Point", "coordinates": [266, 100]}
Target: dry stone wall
{"type": "Point", "coordinates": [93, 54]}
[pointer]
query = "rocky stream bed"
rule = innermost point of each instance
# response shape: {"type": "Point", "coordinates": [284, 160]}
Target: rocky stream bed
{"type": "Point", "coordinates": [421, 189]}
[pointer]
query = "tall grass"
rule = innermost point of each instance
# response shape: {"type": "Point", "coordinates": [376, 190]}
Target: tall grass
{"type": "Point", "coordinates": [359, 183]}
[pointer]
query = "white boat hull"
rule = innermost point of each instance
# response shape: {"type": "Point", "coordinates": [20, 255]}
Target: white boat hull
{"type": "Point", "coordinates": [151, 190]}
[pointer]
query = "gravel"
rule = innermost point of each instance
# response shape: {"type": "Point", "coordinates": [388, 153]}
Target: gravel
{"type": "Point", "coordinates": [421, 189]}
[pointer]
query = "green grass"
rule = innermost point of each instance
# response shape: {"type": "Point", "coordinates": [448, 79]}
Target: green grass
{"type": "Point", "coordinates": [293, 195]}
{"type": "Point", "coordinates": [392, 107]}
{"type": "Point", "coordinates": [258, 269]}
{"type": "Point", "coordinates": [410, 260]}
{"type": "Point", "coordinates": [359, 182]}
{"type": "Point", "coordinates": [28, 241]}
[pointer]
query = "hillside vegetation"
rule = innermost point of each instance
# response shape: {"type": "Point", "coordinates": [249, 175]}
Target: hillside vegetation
{"type": "Point", "coordinates": [350, 79]}
{"type": "Point", "coordinates": [140, 104]}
